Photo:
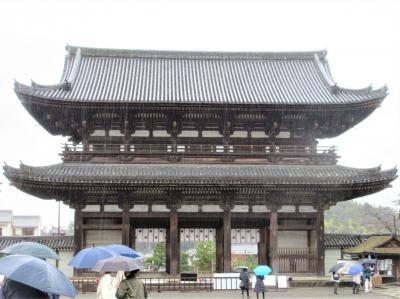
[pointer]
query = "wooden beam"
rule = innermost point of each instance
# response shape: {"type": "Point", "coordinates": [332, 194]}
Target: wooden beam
{"type": "Point", "coordinates": [104, 226]}
{"type": "Point", "coordinates": [78, 231]}
{"type": "Point", "coordinates": [297, 227]}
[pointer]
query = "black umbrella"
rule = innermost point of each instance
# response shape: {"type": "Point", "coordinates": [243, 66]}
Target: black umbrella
{"type": "Point", "coordinates": [336, 267]}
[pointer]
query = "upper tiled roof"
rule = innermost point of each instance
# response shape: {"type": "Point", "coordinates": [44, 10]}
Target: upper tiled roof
{"type": "Point", "coordinates": [109, 75]}
{"type": "Point", "coordinates": [54, 242]}
{"type": "Point", "coordinates": [26, 221]}
{"type": "Point", "coordinates": [6, 216]}
{"type": "Point", "coordinates": [77, 173]}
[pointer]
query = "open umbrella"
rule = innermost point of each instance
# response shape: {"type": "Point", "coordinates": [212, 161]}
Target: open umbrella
{"type": "Point", "coordinates": [123, 250]}
{"type": "Point", "coordinates": [88, 257]}
{"type": "Point", "coordinates": [368, 261]}
{"type": "Point", "coordinates": [262, 270]}
{"type": "Point", "coordinates": [336, 267]}
{"type": "Point", "coordinates": [36, 273]}
{"type": "Point", "coordinates": [240, 268]}
{"type": "Point", "coordinates": [355, 269]}
{"type": "Point", "coordinates": [33, 249]}
{"type": "Point", "coordinates": [119, 263]}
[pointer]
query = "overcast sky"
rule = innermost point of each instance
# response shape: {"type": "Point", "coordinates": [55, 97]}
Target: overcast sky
{"type": "Point", "coordinates": [362, 39]}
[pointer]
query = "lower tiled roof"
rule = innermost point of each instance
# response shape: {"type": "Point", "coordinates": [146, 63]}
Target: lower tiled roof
{"type": "Point", "coordinates": [78, 173]}
{"type": "Point", "coordinates": [54, 242]}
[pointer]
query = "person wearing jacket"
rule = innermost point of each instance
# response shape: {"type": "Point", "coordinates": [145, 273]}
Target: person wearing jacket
{"type": "Point", "coordinates": [108, 285]}
{"type": "Point", "coordinates": [131, 287]}
{"type": "Point", "coordinates": [12, 289]}
{"type": "Point", "coordinates": [336, 280]}
{"type": "Point", "coordinates": [244, 282]}
{"type": "Point", "coordinates": [259, 287]}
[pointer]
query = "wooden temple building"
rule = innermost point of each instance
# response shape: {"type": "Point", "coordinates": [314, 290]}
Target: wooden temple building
{"type": "Point", "coordinates": [216, 140]}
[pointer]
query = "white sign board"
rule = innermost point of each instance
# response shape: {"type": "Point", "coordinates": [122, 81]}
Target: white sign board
{"type": "Point", "coordinates": [270, 281]}
{"type": "Point", "coordinates": [226, 281]}
{"type": "Point", "coordinates": [282, 282]}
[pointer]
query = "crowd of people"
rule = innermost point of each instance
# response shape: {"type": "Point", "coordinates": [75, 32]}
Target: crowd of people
{"type": "Point", "coordinates": [124, 285]}
{"type": "Point", "coordinates": [363, 278]}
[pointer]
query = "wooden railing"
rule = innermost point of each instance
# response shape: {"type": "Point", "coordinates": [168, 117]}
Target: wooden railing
{"type": "Point", "coordinates": [297, 260]}
{"type": "Point", "coordinates": [175, 152]}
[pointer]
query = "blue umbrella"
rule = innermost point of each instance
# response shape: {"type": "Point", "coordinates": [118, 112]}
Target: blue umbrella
{"type": "Point", "coordinates": [123, 250]}
{"type": "Point", "coordinates": [355, 269]}
{"type": "Point", "coordinates": [88, 257]}
{"type": "Point", "coordinates": [37, 274]}
{"type": "Point", "coordinates": [262, 270]}
{"type": "Point", "coordinates": [33, 249]}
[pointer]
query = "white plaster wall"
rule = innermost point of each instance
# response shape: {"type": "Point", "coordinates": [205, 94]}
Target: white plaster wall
{"type": "Point", "coordinates": [292, 239]}
{"type": "Point", "coordinates": [103, 237]}
{"type": "Point", "coordinates": [331, 257]}
{"type": "Point", "coordinates": [306, 209]}
{"type": "Point", "coordinates": [159, 208]}
{"type": "Point", "coordinates": [91, 208]}
{"type": "Point", "coordinates": [260, 209]}
{"type": "Point", "coordinates": [189, 208]}
{"type": "Point", "coordinates": [112, 208]}
{"type": "Point", "coordinates": [241, 209]}
{"type": "Point", "coordinates": [65, 256]}
{"type": "Point", "coordinates": [140, 208]}
{"type": "Point", "coordinates": [211, 208]}
{"type": "Point", "coordinates": [288, 209]}
{"type": "Point", "coordinates": [6, 229]}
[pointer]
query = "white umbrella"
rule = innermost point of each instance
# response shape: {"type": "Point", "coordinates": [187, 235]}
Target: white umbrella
{"type": "Point", "coordinates": [119, 263]}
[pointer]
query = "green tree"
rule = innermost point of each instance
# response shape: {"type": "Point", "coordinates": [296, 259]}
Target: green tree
{"type": "Point", "coordinates": [204, 256]}
{"type": "Point", "coordinates": [158, 259]}
{"type": "Point", "coordinates": [184, 262]}
{"type": "Point", "coordinates": [250, 262]}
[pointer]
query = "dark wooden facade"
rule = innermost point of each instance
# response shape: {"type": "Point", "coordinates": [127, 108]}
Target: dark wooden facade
{"type": "Point", "coordinates": [219, 130]}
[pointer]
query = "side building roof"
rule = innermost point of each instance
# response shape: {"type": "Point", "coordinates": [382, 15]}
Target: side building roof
{"type": "Point", "coordinates": [6, 216]}
{"type": "Point", "coordinates": [136, 76]}
{"type": "Point", "coordinates": [54, 242]}
{"type": "Point", "coordinates": [26, 221]}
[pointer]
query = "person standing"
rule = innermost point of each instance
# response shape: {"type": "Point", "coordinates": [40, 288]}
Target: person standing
{"type": "Point", "coordinates": [366, 277]}
{"type": "Point", "coordinates": [336, 280]}
{"type": "Point", "coordinates": [244, 282]}
{"type": "Point", "coordinates": [260, 287]}
{"type": "Point", "coordinates": [108, 285]}
{"type": "Point", "coordinates": [356, 283]}
{"type": "Point", "coordinates": [131, 287]}
{"type": "Point", "coordinates": [12, 289]}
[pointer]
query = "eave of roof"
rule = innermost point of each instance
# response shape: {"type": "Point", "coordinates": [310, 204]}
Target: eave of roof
{"type": "Point", "coordinates": [54, 242]}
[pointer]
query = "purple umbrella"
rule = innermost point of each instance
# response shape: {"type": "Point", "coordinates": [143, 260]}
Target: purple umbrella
{"type": "Point", "coordinates": [355, 269]}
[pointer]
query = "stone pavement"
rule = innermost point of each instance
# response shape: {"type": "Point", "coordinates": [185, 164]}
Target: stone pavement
{"type": "Point", "coordinates": [302, 293]}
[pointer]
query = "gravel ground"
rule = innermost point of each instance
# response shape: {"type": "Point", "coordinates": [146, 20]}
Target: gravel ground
{"type": "Point", "coordinates": [315, 292]}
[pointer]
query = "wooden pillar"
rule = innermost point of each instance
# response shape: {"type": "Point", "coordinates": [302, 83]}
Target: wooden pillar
{"type": "Point", "coordinates": [78, 231]}
{"type": "Point", "coordinates": [273, 241]}
{"type": "Point", "coordinates": [167, 250]}
{"type": "Point", "coordinates": [78, 234]}
{"type": "Point", "coordinates": [219, 246]}
{"type": "Point", "coordinates": [132, 237]}
{"type": "Point", "coordinates": [262, 247]}
{"type": "Point", "coordinates": [126, 226]}
{"type": "Point", "coordinates": [227, 226]}
{"type": "Point", "coordinates": [174, 244]}
{"type": "Point", "coordinates": [320, 243]}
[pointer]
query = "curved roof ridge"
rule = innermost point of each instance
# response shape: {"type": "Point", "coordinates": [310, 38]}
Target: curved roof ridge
{"type": "Point", "coordinates": [115, 52]}
{"type": "Point", "coordinates": [382, 91]}
{"type": "Point", "coordinates": [30, 89]}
